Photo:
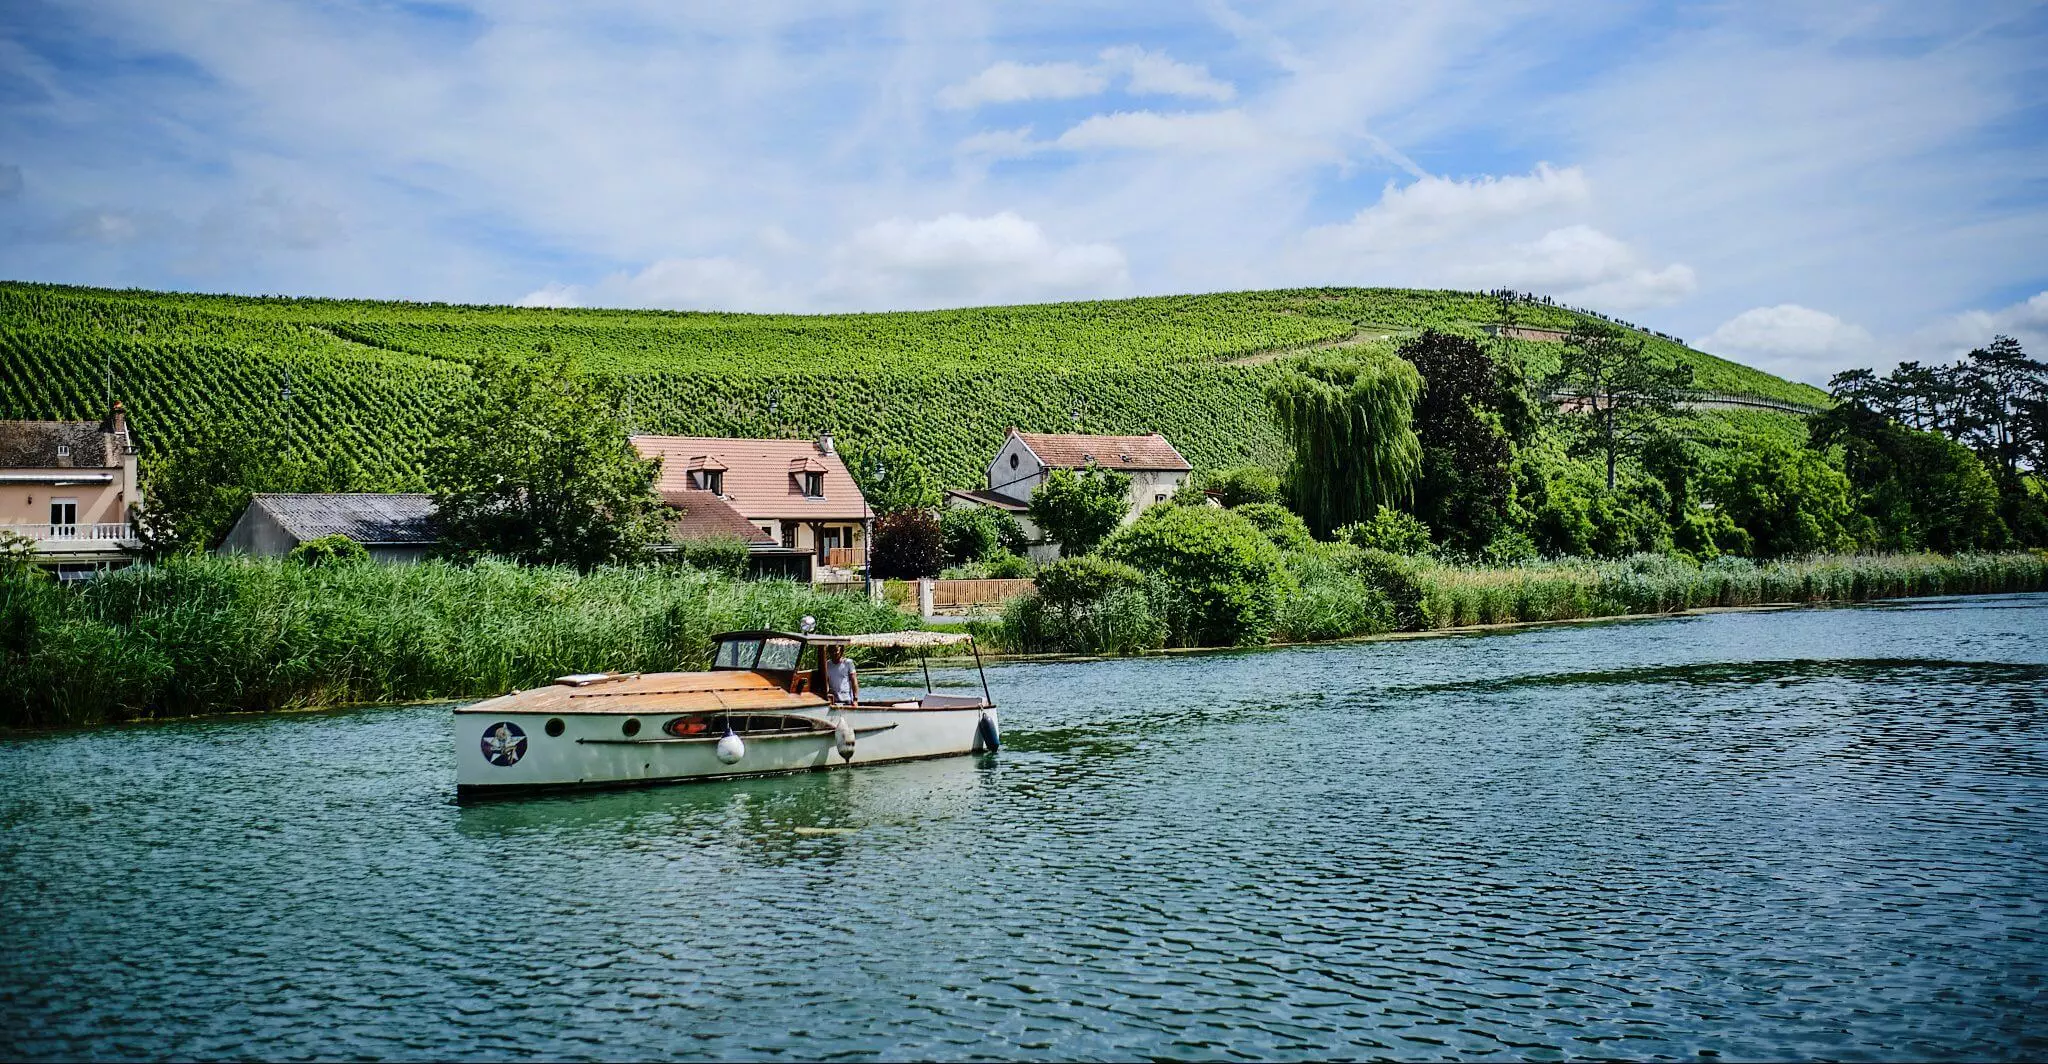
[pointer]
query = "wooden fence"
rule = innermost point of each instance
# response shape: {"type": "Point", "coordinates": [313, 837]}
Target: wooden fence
{"type": "Point", "coordinates": [961, 594]}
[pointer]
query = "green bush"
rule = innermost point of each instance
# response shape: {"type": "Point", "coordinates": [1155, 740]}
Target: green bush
{"type": "Point", "coordinates": [1243, 485]}
{"type": "Point", "coordinates": [980, 533]}
{"type": "Point", "coordinates": [1331, 599]}
{"type": "Point", "coordinates": [1400, 579]}
{"type": "Point", "coordinates": [907, 545]}
{"type": "Point", "coordinates": [1219, 580]}
{"type": "Point", "coordinates": [1390, 530]}
{"type": "Point", "coordinates": [329, 550]}
{"type": "Point", "coordinates": [1009, 567]}
{"type": "Point", "coordinates": [727, 555]}
{"type": "Point", "coordinates": [1287, 531]}
{"type": "Point", "coordinates": [1085, 605]}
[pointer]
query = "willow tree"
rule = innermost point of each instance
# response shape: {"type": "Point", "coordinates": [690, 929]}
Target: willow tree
{"type": "Point", "coordinates": [1351, 424]}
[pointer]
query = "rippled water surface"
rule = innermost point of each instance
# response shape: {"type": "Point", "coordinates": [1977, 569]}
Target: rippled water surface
{"type": "Point", "coordinates": [1801, 834]}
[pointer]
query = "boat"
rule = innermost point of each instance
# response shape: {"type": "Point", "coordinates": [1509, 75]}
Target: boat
{"type": "Point", "coordinates": [762, 709]}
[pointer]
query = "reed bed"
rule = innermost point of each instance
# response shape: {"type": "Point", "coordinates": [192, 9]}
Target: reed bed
{"type": "Point", "coordinates": [221, 634]}
{"type": "Point", "coordinates": [1458, 596]}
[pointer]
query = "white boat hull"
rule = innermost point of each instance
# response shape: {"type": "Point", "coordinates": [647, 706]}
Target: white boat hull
{"type": "Point", "coordinates": [505, 752]}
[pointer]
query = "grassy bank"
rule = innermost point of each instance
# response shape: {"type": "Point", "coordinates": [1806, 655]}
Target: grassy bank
{"type": "Point", "coordinates": [219, 635]}
{"type": "Point", "coordinates": [1456, 596]}
{"type": "Point", "coordinates": [1335, 591]}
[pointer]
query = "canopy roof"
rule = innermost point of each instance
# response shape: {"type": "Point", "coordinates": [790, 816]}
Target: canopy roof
{"type": "Point", "coordinates": [873, 639]}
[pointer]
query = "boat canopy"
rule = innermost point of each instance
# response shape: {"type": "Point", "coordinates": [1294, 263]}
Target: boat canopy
{"type": "Point", "coordinates": [894, 639]}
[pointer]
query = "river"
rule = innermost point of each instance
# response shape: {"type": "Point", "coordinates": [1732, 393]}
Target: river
{"type": "Point", "coordinates": [1812, 833]}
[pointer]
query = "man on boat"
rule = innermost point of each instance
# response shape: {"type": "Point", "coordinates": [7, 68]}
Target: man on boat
{"type": "Point", "coordinates": [840, 680]}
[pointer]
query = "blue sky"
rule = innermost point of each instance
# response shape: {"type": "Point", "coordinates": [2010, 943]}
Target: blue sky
{"type": "Point", "coordinates": [1801, 186]}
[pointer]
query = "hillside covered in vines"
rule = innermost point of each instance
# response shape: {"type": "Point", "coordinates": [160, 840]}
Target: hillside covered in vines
{"type": "Point", "coordinates": [371, 380]}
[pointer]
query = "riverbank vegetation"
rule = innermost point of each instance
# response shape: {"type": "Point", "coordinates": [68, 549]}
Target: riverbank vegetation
{"type": "Point", "coordinates": [205, 635]}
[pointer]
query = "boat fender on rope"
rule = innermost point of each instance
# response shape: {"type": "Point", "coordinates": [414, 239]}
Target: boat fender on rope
{"type": "Point", "coordinates": [988, 738]}
{"type": "Point", "coordinates": [731, 748]}
{"type": "Point", "coordinates": [845, 738]}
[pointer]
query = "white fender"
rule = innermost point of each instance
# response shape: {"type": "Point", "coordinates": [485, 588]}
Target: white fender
{"type": "Point", "coordinates": [843, 734]}
{"type": "Point", "coordinates": [731, 748]}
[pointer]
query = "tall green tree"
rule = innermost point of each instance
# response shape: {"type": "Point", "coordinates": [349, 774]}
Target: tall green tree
{"type": "Point", "coordinates": [193, 492]}
{"type": "Point", "coordinates": [1077, 510]}
{"type": "Point", "coordinates": [892, 478]}
{"type": "Point", "coordinates": [536, 470]}
{"type": "Point", "coordinates": [1468, 419]}
{"type": "Point", "coordinates": [1350, 422]}
{"type": "Point", "coordinates": [1623, 395]}
{"type": "Point", "coordinates": [1919, 490]}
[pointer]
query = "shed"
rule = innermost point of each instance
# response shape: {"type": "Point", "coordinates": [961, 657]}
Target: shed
{"type": "Point", "coordinates": [393, 528]}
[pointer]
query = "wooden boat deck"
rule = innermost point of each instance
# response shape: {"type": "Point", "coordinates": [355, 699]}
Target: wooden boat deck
{"type": "Point", "coordinates": [657, 692]}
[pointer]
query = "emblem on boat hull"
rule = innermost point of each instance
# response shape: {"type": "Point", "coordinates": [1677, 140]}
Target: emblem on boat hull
{"type": "Point", "coordinates": [504, 743]}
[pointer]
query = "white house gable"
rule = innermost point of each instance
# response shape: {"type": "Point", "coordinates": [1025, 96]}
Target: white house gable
{"type": "Point", "coordinates": [1016, 471]}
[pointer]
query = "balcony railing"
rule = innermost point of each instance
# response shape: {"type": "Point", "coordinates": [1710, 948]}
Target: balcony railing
{"type": "Point", "coordinates": [845, 557]}
{"type": "Point", "coordinates": [103, 533]}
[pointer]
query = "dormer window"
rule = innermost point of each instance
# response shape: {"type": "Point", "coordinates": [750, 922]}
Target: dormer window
{"type": "Point", "coordinates": [711, 480]}
{"type": "Point", "coordinates": [63, 450]}
{"type": "Point", "coordinates": [813, 485]}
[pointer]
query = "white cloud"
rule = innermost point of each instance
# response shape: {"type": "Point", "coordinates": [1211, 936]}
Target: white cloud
{"type": "Point", "coordinates": [956, 260]}
{"type": "Point", "coordinates": [1211, 131]}
{"type": "Point", "coordinates": [717, 283]}
{"type": "Point", "coordinates": [1008, 82]}
{"type": "Point", "coordinates": [1585, 265]}
{"type": "Point", "coordinates": [2025, 321]}
{"type": "Point", "coordinates": [1155, 74]}
{"type": "Point", "coordinates": [1435, 208]}
{"type": "Point", "coordinates": [1793, 341]}
{"type": "Point", "coordinates": [1001, 144]}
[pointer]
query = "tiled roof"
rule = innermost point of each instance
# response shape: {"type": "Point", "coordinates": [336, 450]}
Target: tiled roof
{"type": "Point", "coordinates": [761, 480]}
{"type": "Point", "coordinates": [33, 445]}
{"type": "Point", "coordinates": [368, 519]}
{"type": "Point", "coordinates": [989, 498]}
{"type": "Point", "coordinates": [1125, 453]}
{"type": "Point", "coordinates": [702, 515]}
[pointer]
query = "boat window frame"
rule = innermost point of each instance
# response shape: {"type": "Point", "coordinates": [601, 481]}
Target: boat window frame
{"type": "Point", "coordinates": [736, 665]}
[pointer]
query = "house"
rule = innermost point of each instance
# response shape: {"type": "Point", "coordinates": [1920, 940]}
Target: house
{"type": "Point", "coordinates": [393, 528]}
{"type": "Point", "coordinates": [702, 515]}
{"type": "Point", "coordinates": [69, 487]}
{"type": "Point", "coordinates": [796, 492]}
{"type": "Point", "coordinates": [1156, 470]}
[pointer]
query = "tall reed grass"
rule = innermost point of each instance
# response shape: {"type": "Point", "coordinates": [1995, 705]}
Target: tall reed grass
{"type": "Point", "coordinates": [1457, 596]}
{"type": "Point", "coordinates": [226, 634]}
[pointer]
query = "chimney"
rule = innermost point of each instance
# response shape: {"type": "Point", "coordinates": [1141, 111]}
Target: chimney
{"type": "Point", "coordinates": [825, 443]}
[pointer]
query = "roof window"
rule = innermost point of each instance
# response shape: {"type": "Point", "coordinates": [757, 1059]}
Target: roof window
{"type": "Point", "coordinates": [813, 484]}
{"type": "Point", "coordinates": [63, 450]}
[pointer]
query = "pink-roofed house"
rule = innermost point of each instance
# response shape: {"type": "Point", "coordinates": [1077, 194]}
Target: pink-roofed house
{"type": "Point", "coordinates": [796, 493]}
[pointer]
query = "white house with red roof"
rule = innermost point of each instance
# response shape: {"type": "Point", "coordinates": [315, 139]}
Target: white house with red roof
{"type": "Point", "coordinates": [1155, 467]}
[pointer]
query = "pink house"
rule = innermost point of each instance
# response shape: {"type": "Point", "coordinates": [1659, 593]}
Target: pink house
{"type": "Point", "coordinates": [69, 487]}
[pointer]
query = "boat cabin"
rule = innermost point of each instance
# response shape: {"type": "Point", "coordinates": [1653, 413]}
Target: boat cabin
{"type": "Point", "coordinates": [790, 663]}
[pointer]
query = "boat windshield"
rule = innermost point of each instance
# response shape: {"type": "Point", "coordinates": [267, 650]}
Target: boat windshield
{"type": "Point", "coordinates": [780, 655]}
{"type": "Point", "coordinates": [736, 654]}
{"type": "Point", "coordinates": [772, 654]}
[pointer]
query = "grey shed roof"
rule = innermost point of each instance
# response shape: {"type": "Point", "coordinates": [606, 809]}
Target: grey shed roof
{"type": "Point", "coordinates": [367, 519]}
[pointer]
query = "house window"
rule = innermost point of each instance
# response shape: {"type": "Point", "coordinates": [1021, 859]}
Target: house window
{"type": "Point", "coordinates": [1013, 461]}
{"type": "Point", "coordinates": [814, 485]}
{"type": "Point", "coordinates": [63, 517]}
{"type": "Point", "coordinates": [789, 536]}
{"type": "Point", "coordinates": [711, 480]}
{"type": "Point", "coordinates": [1161, 497]}
{"type": "Point", "coordinates": [63, 450]}
{"type": "Point", "coordinates": [767, 530]}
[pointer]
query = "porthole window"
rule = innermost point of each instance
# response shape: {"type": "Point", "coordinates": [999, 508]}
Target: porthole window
{"type": "Point", "coordinates": [554, 728]}
{"type": "Point", "coordinates": [631, 727]}
{"type": "Point", "coordinates": [1013, 461]}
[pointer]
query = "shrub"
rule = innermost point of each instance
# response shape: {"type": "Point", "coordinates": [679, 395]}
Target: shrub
{"type": "Point", "coordinates": [1287, 531]}
{"type": "Point", "coordinates": [1400, 578]}
{"type": "Point", "coordinates": [717, 554]}
{"type": "Point", "coordinates": [1009, 567]}
{"type": "Point", "coordinates": [907, 545]}
{"type": "Point", "coordinates": [1087, 605]}
{"type": "Point", "coordinates": [329, 550]}
{"type": "Point", "coordinates": [1330, 599]}
{"type": "Point", "coordinates": [1219, 580]}
{"type": "Point", "coordinates": [1243, 485]}
{"type": "Point", "coordinates": [17, 554]}
{"type": "Point", "coordinates": [980, 533]}
{"type": "Point", "coordinates": [1077, 509]}
{"type": "Point", "coordinates": [1390, 530]}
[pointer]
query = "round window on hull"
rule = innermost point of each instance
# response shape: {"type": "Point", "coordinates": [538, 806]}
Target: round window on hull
{"type": "Point", "coordinates": [631, 727]}
{"type": "Point", "coordinates": [554, 727]}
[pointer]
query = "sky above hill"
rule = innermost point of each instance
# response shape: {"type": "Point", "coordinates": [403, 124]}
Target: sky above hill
{"type": "Point", "coordinates": [1803, 187]}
